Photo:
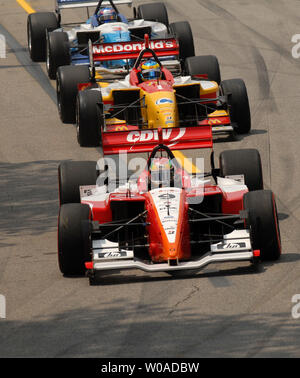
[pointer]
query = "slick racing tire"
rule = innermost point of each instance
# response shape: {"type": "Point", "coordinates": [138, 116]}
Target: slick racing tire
{"type": "Point", "coordinates": [67, 80]}
{"type": "Point", "coordinates": [245, 162]}
{"type": "Point", "coordinates": [73, 238]}
{"type": "Point", "coordinates": [238, 102]}
{"type": "Point", "coordinates": [263, 223]}
{"type": "Point", "coordinates": [57, 52]}
{"type": "Point", "coordinates": [89, 113]}
{"type": "Point", "coordinates": [37, 26]}
{"type": "Point", "coordinates": [153, 12]}
{"type": "Point", "coordinates": [72, 175]}
{"type": "Point", "coordinates": [204, 65]}
{"type": "Point", "coordinates": [183, 33]}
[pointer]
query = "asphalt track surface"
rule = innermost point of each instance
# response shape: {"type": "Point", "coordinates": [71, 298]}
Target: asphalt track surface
{"type": "Point", "coordinates": [224, 311]}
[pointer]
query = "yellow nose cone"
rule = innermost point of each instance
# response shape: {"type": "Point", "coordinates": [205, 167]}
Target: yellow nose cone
{"type": "Point", "coordinates": [161, 110]}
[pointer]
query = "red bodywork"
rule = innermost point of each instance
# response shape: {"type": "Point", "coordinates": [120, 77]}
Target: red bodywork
{"type": "Point", "coordinates": [136, 140]}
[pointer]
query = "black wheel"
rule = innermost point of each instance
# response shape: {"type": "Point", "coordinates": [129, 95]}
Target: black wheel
{"type": "Point", "coordinates": [57, 52]}
{"type": "Point", "coordinates": [72, 175]}
{"type": "Point", "coordinates": [183, 32]}
{"type": "Point", "coordinates": [153, 12]}
{"type": "Point", "coordinates": [204, 65]}
{"type": "Point", "coordinates": [245, 162]}
{"type": "Point", "coordinates": [73, 238]}
{"type": "Point", "coordinates": [263, 223]}
{"type": "Point", "coordinates": [89, 118]}
{"type": "Point", "coordinates": [67, 80]}
{"type": "Point", "coordinates": [238, 102]}
{"type": "Point", "coordinates": [37, 26]}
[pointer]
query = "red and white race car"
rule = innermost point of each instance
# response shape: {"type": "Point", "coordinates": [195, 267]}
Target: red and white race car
{"type": "Point", "coordinates": [166, 220]}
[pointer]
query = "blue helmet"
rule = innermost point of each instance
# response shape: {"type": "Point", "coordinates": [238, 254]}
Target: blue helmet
{"type": "Point", "coordinates": [150, 70]}
{"type": "Point", "coordinates": [107, 14]}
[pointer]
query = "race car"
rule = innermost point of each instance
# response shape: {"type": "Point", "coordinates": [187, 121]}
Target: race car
{"type": "Point", "coordinates": [66, 44]}
{"type": "Point", "coordinates": [119, 114]}
{"type": "Point", "coordinates": [164, 219]}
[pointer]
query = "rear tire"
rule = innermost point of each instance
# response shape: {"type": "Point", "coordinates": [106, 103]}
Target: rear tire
{"type": "Point", "coordinates": [183, 32]}
{"type": "Point", "coordinates": [204, 65]}
{"type": "Point", "coordinates": [67, 80]}
{"type": "Point", "coordinates": [57, 52]}
{"type": "Point", "coordinates": [153, 12]}
{"type": "Point", "coordinates": [239, 104]}
{"type": "Point", "coordinates": [73, 238]}
{"type": "Point", "coordinates": [72, 175]}
{"type": "Point", "coordinates": [37, 26]}
{"type": "Point", "coordinates": [88, 118]}
{"type": "Point", "coordinates": [245, 162]}
{"type": "Point", "coordinates": [263, 222]}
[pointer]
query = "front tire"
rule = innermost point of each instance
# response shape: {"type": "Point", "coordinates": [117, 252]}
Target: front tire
{"type": "Point", "coordinates": [73, 238]}
{"type": "Point", "coordinates": [263, 222]}
{"type": "Point", "coordinates": [238, 102]}
{"type": "Point", "coordinates": [88, 118]}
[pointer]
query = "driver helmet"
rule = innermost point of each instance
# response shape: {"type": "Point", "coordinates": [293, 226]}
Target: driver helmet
{"type": "Point", "coordinates": [161, 173]}
{"type": "Point", "coordinates": [150, 70]}
{"type": "Point", "coordinates": [107, 14]}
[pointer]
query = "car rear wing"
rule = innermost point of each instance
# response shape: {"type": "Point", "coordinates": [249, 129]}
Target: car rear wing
{"type": "Point", "coordinates": [131, 50]}
{"type": "Point", "coordinates": [69, 4]}
{"type": "Point", "coordinates": [131, 139]}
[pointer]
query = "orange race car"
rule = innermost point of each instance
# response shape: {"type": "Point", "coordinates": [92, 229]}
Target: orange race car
{"type": "Point", "coordinates": [165, 220]}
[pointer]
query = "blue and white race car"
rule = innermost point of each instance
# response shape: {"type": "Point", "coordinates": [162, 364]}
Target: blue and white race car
{"type": "Point", "coordinates": [67, 44]}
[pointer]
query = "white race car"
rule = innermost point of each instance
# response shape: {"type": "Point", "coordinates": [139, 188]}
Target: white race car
{"type": "Point", "coordinates": [67, 44]}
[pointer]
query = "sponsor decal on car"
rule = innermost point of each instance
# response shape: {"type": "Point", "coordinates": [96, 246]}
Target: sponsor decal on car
{"type": "Point", "coordinates": [132, 47]}
{"type": "Point", "coordinates": [214, 121]}
{"type": "Point", "coordinates": [112, 254]}
{"type": "Point", "coordinates": [167, 203]}
{"type": "Point", "coordinates": [163, 101]}
{"type": "Point", "coordinates": [231, 246]}
{"type": "Point", "coordinates": [152, 135]}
